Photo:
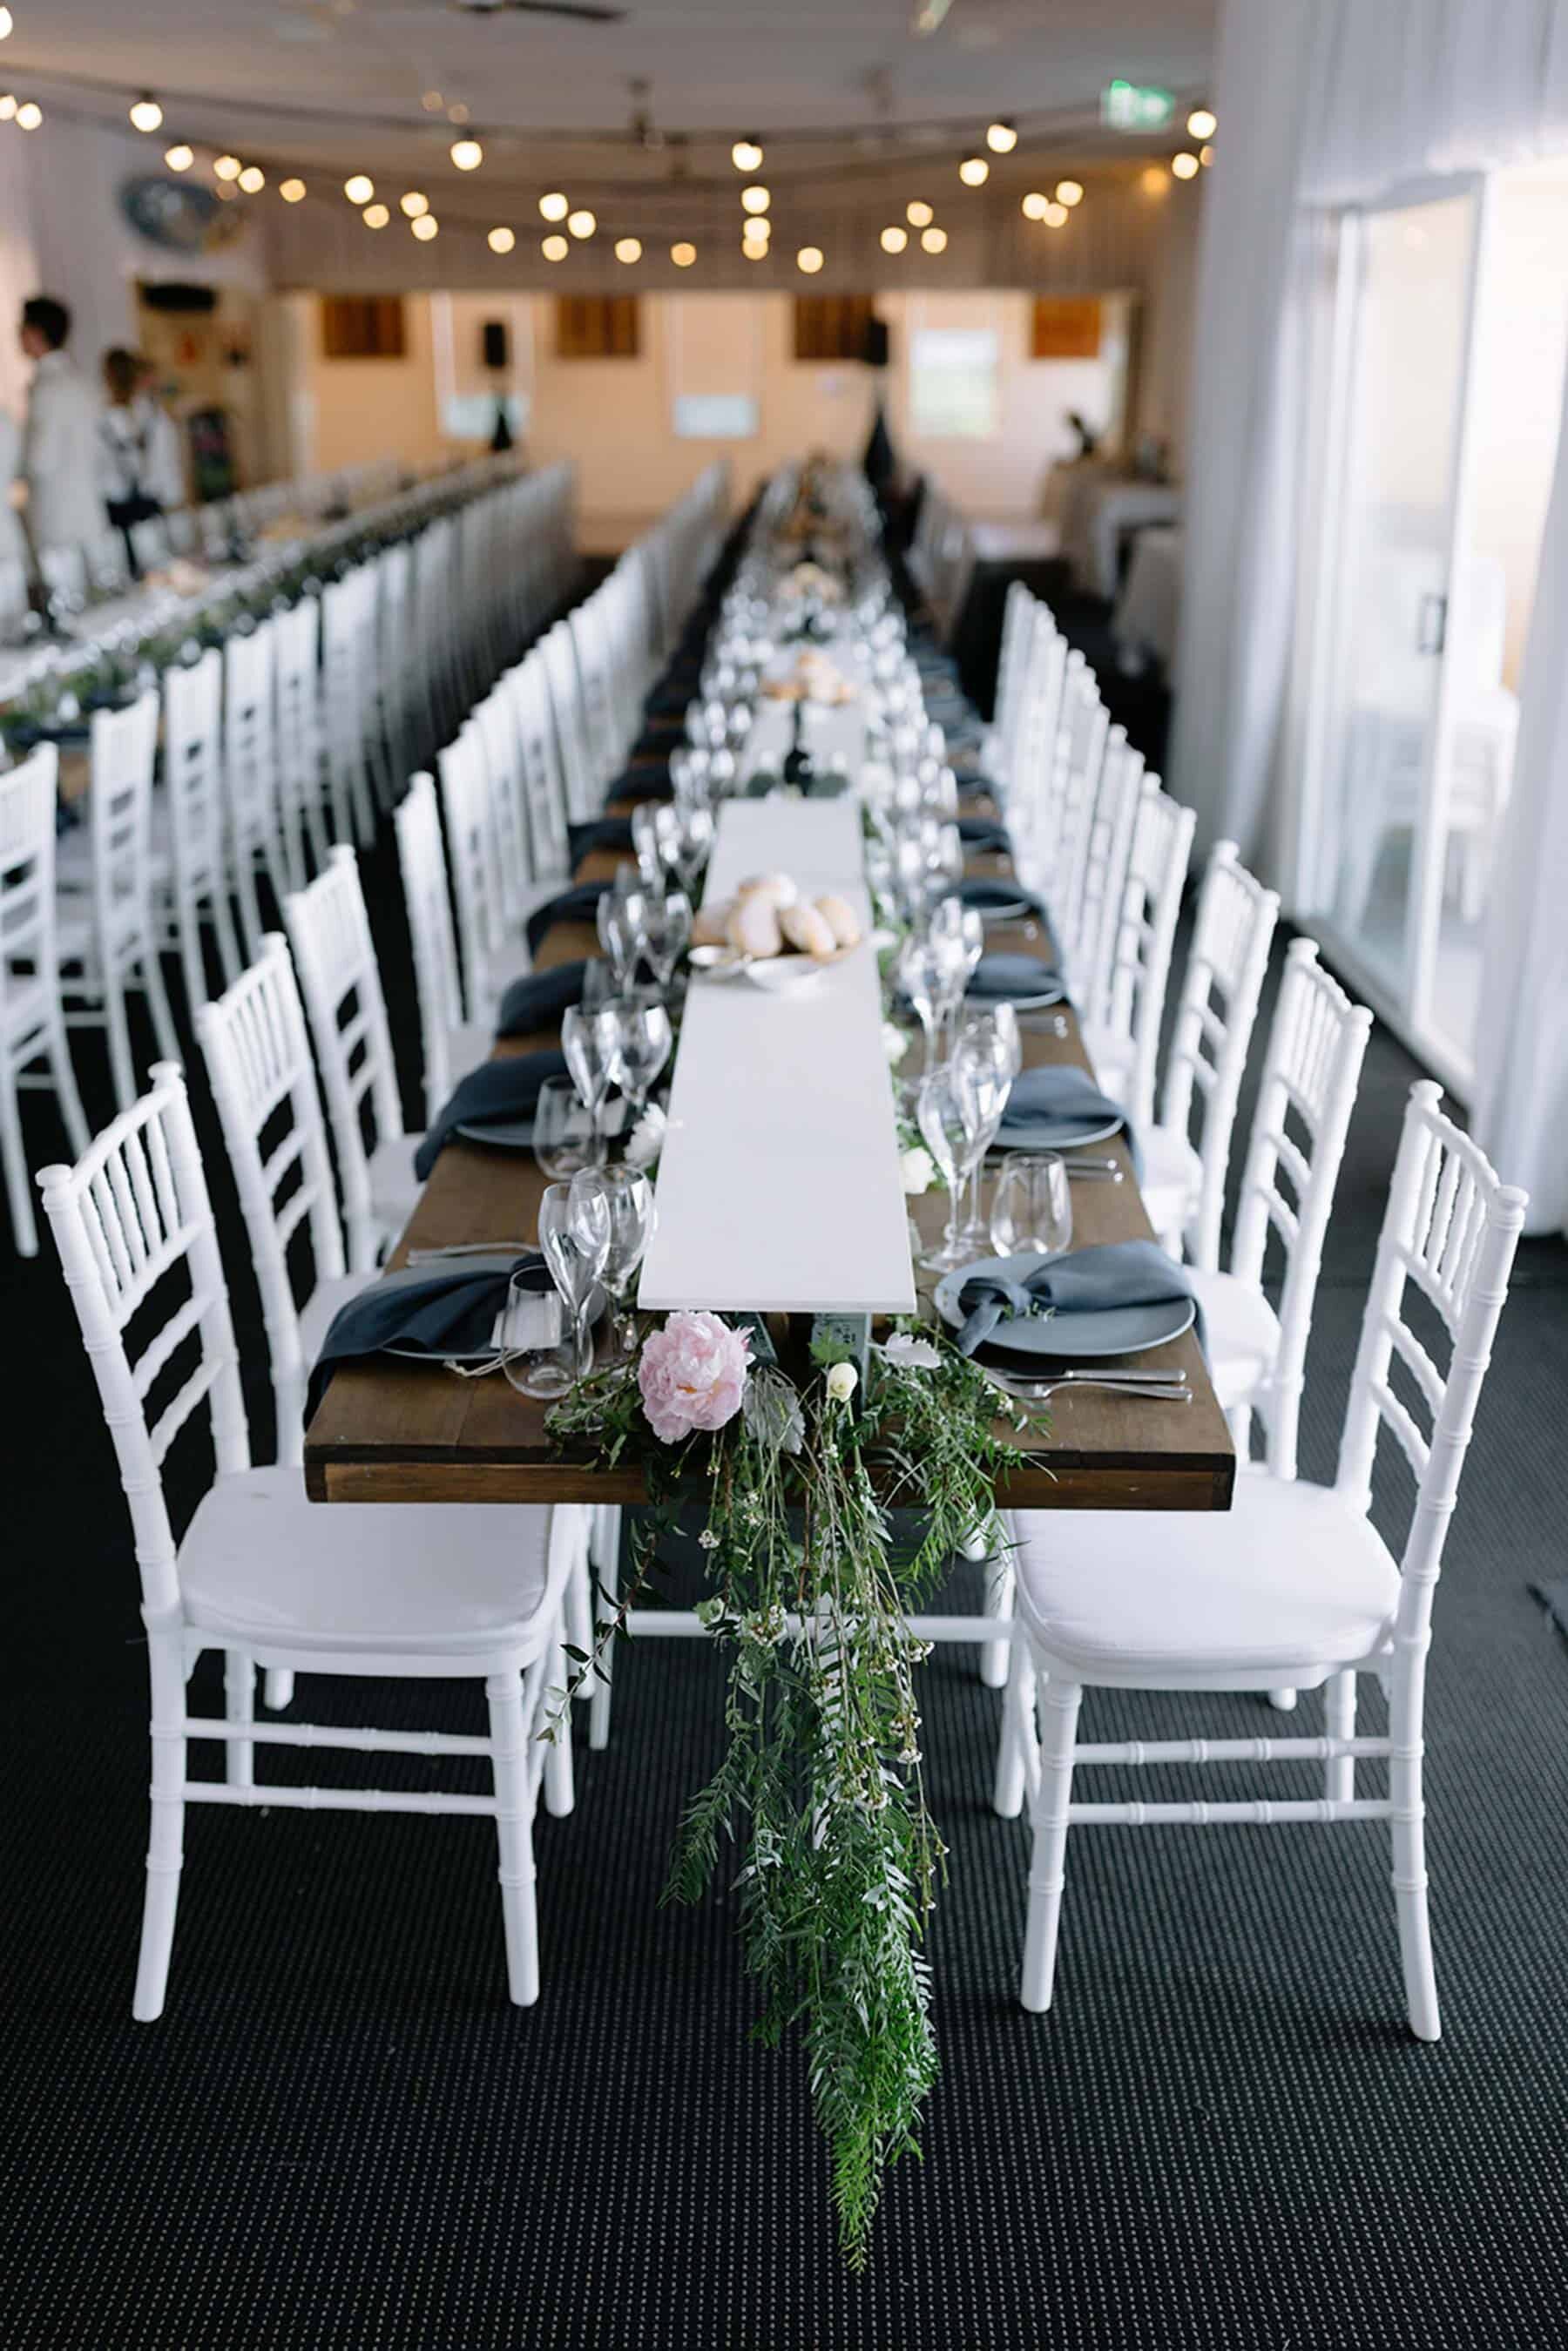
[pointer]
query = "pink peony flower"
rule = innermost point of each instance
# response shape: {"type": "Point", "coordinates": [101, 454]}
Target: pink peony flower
{"type": "Point", "coordinates": [692, 1374]}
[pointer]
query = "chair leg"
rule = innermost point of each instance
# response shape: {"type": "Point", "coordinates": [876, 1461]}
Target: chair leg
{"type": "Point", "coordinates": [18, 1183]}
{"type": "Point", "coordinates": [1048, 1861]}
{"type": "Point", "coordinates": [1339, 1722]}
{"type": "Point", "coordinates": [513, 1837]}
{"type": "Point", "coordinates": [121, 1061]}
{"type": "Point", "coordinates": [1001, 1587]}
{"type": "Point", "coordinates": [1409, 1871]}
{"type": "Point", "coordinates": [561, 1792]}
{"type": "Point", "coordinates": [1016, 1731]}
{"type": "Point", "coordinates": [277, 1687]}
{"type": "Point", "coordinates": [166, 1843]}
{"type": "Point", "coordinates": [158, 999]}
{"type": "Point", "coordinates": [63, 1070]}
{"type": "Point", "coordinates": [229, 959]}
{"type": "Point", "coordinates": [239, 1705]}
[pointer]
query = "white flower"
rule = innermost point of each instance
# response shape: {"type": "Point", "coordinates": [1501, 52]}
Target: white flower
{"type": "Point", "coordinates": [842, 1382]}
{"type": "Point", "coordinates": [905, 1353]}
{"type": "Point", "coordinates": [646, 1139]}
{"type": "Point", "coordinates": [895, 1043]}
{"type": "Point", "coordinates": [917, 1170]}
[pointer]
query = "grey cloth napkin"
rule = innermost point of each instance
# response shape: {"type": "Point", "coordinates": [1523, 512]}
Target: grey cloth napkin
{"type": "Point", "coordinates": [986, 893]}
{"type": "Point", "coordinates": [1051, 1103]}
{"type": "Point", "coordinates": [495, 1092]}
{"type": "Point", "coordinates": [998, 978]}
{"type": "Point", "coordinates": [579, 904]}
{"type": "Point", "coordinates": [1086, 1281]}
{"type": "Point", "coordinates": [539, 998]}
{"type": "Point", "coordinates": [436, 1312]}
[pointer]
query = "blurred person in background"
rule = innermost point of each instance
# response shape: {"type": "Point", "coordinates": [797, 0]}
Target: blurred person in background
{"type": "Point", "coordinates": [59, 456]}
{"type": "Point", "coordinates": [139, 449]}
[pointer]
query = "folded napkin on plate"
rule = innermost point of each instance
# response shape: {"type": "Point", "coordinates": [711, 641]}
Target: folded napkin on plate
{"type": "Point", "coordinates": [576, 905]}
{"type": "Point", "coordinates": [539, 999]}
{"type": "Point", "coordinates": [1049, 1102]}
{"type": "Point", "coordinates": [1086, 1281]}
{"type": "Point", "coordinates": [998, 978]}
{"type": "Point", "coordinates": [493, 1093]}
{"type": "Point", "coordinates": [458, 1308]}
{"type": "Point", "coordinates": [600, 832]}
{"type": "Point", "coordinates": [983, 833]}
{"type": "Point", "coordinates": [988, 893]}
{"type": "Point", "coordinates": [643, 783]}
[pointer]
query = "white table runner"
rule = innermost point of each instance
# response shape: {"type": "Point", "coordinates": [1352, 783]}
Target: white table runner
{"type": "Point", "coordinates": [778, 1184]}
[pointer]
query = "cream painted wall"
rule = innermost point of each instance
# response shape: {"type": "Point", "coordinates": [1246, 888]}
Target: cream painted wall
{"type": "Point", "coordinates": [346, 411]}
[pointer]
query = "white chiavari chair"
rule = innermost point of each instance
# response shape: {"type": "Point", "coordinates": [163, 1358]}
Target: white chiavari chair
{"type": "Point", "coordinates": [348, 622]}
{"type": "Point", "coordinates": [1087, 938]}
{"type": "Point", "coordinates": [502, 755]}
{"type": "Point", "coordinates": [250, 775]}
{"type": "Point", "coordinates": [297, 720]}
{"type": "Point", "coordinates": [32, 1023]}
{"type": "Point", "coordinates": [272, 1579]}
{"type": "Point", "coordinates": [1074, 763]}
{"type": "Point", "coordinates": [543, 785]}
{"type": "Point", "coordinates": [451, 1044]}
{"type": "Point", "coordinates": [492, 949]}
{"type": "Point", "coordinates": [330, 932]}
{"type": "Point", "coordinates": [200, 866]}
{"type": "Point", "coordinates": [108, 934]}
{"type": "Point", "coordinates": [584, 788]}
{"type": "Point", "coordinates": [1291, 1585]}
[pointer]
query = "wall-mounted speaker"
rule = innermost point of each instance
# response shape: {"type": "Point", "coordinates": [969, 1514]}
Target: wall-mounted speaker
{"type": "Point", "coordinates": [493, 335]}
{"type": "Point", "coordinates": [874, 351]}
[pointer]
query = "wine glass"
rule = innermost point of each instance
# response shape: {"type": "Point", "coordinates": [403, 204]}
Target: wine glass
{"type": "Point", "coordinates": [633, 1217]}
{"type": "Point", "coordinates": [644, 1037]}
{"type": "Point", "coordinates": [667, 926]}
{"type": "Point", "coordinates": [563, 1130]}
{"type": "Point", "coordinates": [620, 916]}
{"type": "Point", "coordinates": [648, 841]}
{"type": "Point", "coordinates": [988, 1080]}
{"type": "Point", "coordinates": [919, 974]}
{"type": "Point", "coordinates": [592, 1043]}
{"type": "Point", "coordinates": [599, 982]}
{"type": "Point", "coordinates": [574, 1235]}
{"type": "Point", "coordinates": [693, 835]}
{"type": "Point", "coordinates": [1031, 1208]}
{"type": "Point", "coordinates": [947, 1109]}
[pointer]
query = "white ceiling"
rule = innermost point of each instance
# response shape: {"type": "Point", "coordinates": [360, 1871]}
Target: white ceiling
{"type": "Point", "coordinates": [339, 84]}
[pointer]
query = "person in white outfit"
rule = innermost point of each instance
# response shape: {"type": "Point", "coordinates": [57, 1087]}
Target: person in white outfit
{"type": "Point", "coordinates": [139, 449]}
{"type": "Point", "coordinates": [59, 461]}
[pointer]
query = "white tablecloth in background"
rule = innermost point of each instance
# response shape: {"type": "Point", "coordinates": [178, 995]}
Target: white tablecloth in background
{"type": "Point", "coordinates": [1144, 620]}
{"type": "Point", "coordinates": [1099, 509]}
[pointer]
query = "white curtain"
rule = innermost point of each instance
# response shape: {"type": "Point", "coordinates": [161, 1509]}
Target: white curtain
{"type": "Point", "coordinates": [1322, 102]}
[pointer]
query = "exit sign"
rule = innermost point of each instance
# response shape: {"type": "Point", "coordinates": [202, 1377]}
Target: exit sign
{"type": "Point", "coordinates": [1132, 106]}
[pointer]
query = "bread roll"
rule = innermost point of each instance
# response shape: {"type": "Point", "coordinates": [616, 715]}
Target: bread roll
{"type": "Point", "coordinates": [777, 886]}
{"type": "Point", "coordinates": [753, 928]}
{"type": "Point", "coordinates": [808, 931]}
{"type": "Point", "coordinates": [842, 920]}
{"type": "Point", "coordinates": [709, 925]}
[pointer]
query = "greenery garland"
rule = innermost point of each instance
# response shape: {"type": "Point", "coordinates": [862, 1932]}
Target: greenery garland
{"type": "Point", "coordinates": [811, 1579]}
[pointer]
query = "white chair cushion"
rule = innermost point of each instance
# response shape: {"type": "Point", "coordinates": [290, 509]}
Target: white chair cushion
{"type": "Point", "coordinates": [1111, 1056]}
{"type": "Point", "coordinates": [260, 1563]}
{"type": "Point", "coordinates": [1172, 1177]}
{"type": "Point", "coordinates": [395, 1186]}
{"type": "Point", "coordinates": [1242, 1331]}
{"type": "Point", "coordinates": [322, 1304]}
{"type": "Point", "coordinates": [1289, 1576]}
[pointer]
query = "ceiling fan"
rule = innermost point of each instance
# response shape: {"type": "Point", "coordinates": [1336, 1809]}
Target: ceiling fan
{"type": "Point", "coordinates": [586, 9]}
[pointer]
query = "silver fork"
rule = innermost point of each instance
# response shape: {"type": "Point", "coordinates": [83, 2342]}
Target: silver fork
{"type": "Point", "coordinates": [466, 1249]}
{"type": "Point", "coordinates": [1164, 1387]}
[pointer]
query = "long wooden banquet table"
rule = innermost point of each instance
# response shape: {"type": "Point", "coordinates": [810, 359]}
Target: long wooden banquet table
{"type": "Point", "coordinates": [398, 1432]}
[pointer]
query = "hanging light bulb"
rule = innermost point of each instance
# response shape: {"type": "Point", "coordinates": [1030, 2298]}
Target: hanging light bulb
{"type": "Point", "coordinates": [754, 248]}
{"type": "Point", "coordinates": [1001, 138]}
{"type": "Point", "coordinates": [747, 155]}
{"type": "Point", "coordinates": [934, 240]}
{"type": "Point", "coordinates": [7, 108]}
{"type": "Point", "coordinates": [178, 157]}
{"type": "Point", "coordinates": [467, 154]}
{"type": "Point", "coordinates": [1055, 215]}
{"type": "Point", "coordinates": [974, 171]}
{"type": "Point", "coordinates": [893, 240]}
{"type": "Point", "coordinates": [414, 203]}
{"type": "Point", "coordinates": [628, 249]}
{"type": "Point", "coordinates": [359, 190]}
{"type": "Point", "coordinates": [918, 214]}
{"type": "Point", "coordinates": [1033, 206]}
{"type": "Point", "coordinates": [253, 179]}
{"type": "Point", "coordinates": [425, 227]}
{"type": "Point", "coordinates": [554, 207]}
{"type": "Point", "coordinates": [229, 167]}
{"type": "Point", "coordinates": [682, 255]}
{"type": "Point", "coordinates": [375, 216]}
{"type": "Point", "coordinates": [291, 190]}
{"type": "Point", "coordinates": [147, 114]}
{"type": "Point", "coordinates": [29, 114]}
{"type": "Point", "coordinates": [7, 23]}
{"type": "Point", "coordinates": [1202, 122]}
{"type": "Point", "coordinates": [581, 223]}
{"type": "Point", "coordinates": [755, 200]}
{"type": "Point", "coordinates": [554, 248]}
{"type": "Point", "coordinates": [1068, 193]}
{"type": "Point", "coordinates": [1185, 166]}
{"type": "Point", "coordinates": [1205, 156]}
{"type": "Point", "coordinates": [500, 240]}
{"type": "Point", "coordinates": [809, 259]}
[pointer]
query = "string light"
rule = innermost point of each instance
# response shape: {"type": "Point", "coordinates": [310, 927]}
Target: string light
{"type": "Point", "coordinates": [809, 259]}
{"type": "Point", "coordinates": [433, 101]}
{"type": "Point", "coordinates": [7, 24]}
{"type": "Point", "coordinates": [554, 207]}
{"type": "Point", "coordinates": [29, 114]}
{"type": "Point", "coordinates": [1033, 205]}
{"type": "Point", "coordinates": [500, 240]}
{"type": "Point", "coordinates": [918, 214]}
{"type": "Point", "coordinates": [893, 240]}
{"type": "Point", "coordinates": [1070, 193]}
{"type": "Point", "coordinates": [682, 255]}
{"type": "Point", "coordinates": [375, 216]}
{"type": "Point", "coordinates": [291, 190]}
{"type": "Point", "coordinates": [7, 108]}
{"type": "Point", "coordinates": [754, 248]}
{"type": "Point", "coordinates": [179, 158]}
{"type": "Point", "coordinates": [934, 240]}
{"type": "Point", "coordinates": [414, 204]}
{"type": "Point", "coordinates": [458, 113]}
{"type": "Point", "coordinates": [1205, 156]}
{"type": "Point", "coordinates": [425, 227]}
{"type": "Point", "coordinates": [359, 190]}
{"type": "Point", "coordinates": [628, 249]}
{"type": "Point", "coordinates": [229, 167]}
{"type": "Point", "coordinates": [581, 223]}
{"type": "Point", "coordinates": [554, 248]}
{"type": "Point", "coordinates": [974, 171]}
{"type": "Point", "coordinates": [147, 114]}
{"type": "Point", "coordinates": [253, 179]}
{"type": "Point", "coordinates": [747, 155]}
{"type": "Point", "coordinates": [1154, 178]}
{"type": "Point", "coordinates": [755, 200]}
{"type": "Point", "coordinates": [1185, 166]}
{"type": "Point", "coordinates": [1202, 122]}
{"type": "Point", "coordinates": [1055, 216]}
{"type": "Point", "coordinates": [467, 154]}
{"type": "Point", "coordinates": [1001, 138]}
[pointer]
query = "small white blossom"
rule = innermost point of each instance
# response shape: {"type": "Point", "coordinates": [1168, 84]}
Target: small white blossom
{"type": "Point", "coordinates": [917, 1170]}
{"type": "Point", "coordinates": [646, 1139]}
{"type": "Point", "coordinates": [842, 1382]}
{"type": "Point", "coordinates": [895, 1043]}
{"type": "Point", "coordinates": [905, 1353]}
{"type": "Point", "coordinates": [765, 1626]}
{"type": "Point", "coordinates": [707, 1539]}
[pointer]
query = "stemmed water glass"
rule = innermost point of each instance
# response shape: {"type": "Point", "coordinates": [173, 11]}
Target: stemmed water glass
{"type": "Point", "coordinates": [986, 1074]}
{"type": "Point", "coordinates": [620, 918]}
{"type": "Point", "coordinates": [563, 1130]}
{"type": "Point", "coordinates": [666, 925]}
{"type": "Point", "coordinates": [592, 1043]}
{"type": "Point", "coordinates": [644, 1041]}
{"type": "Point", "coordinates": [947, 1110]}
{"type": "Point", "coordinates": [919, 975]}
{"type": "Point", "coordinates": [632, 1216]}
{"type": "Point", "coordinates": [574, 1236]}
{"type": "Point", "coordinates": [691, 834]}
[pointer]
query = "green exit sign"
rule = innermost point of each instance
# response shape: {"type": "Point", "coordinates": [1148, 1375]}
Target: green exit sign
{"type": "Point", "coordinates": [1133, 105]}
